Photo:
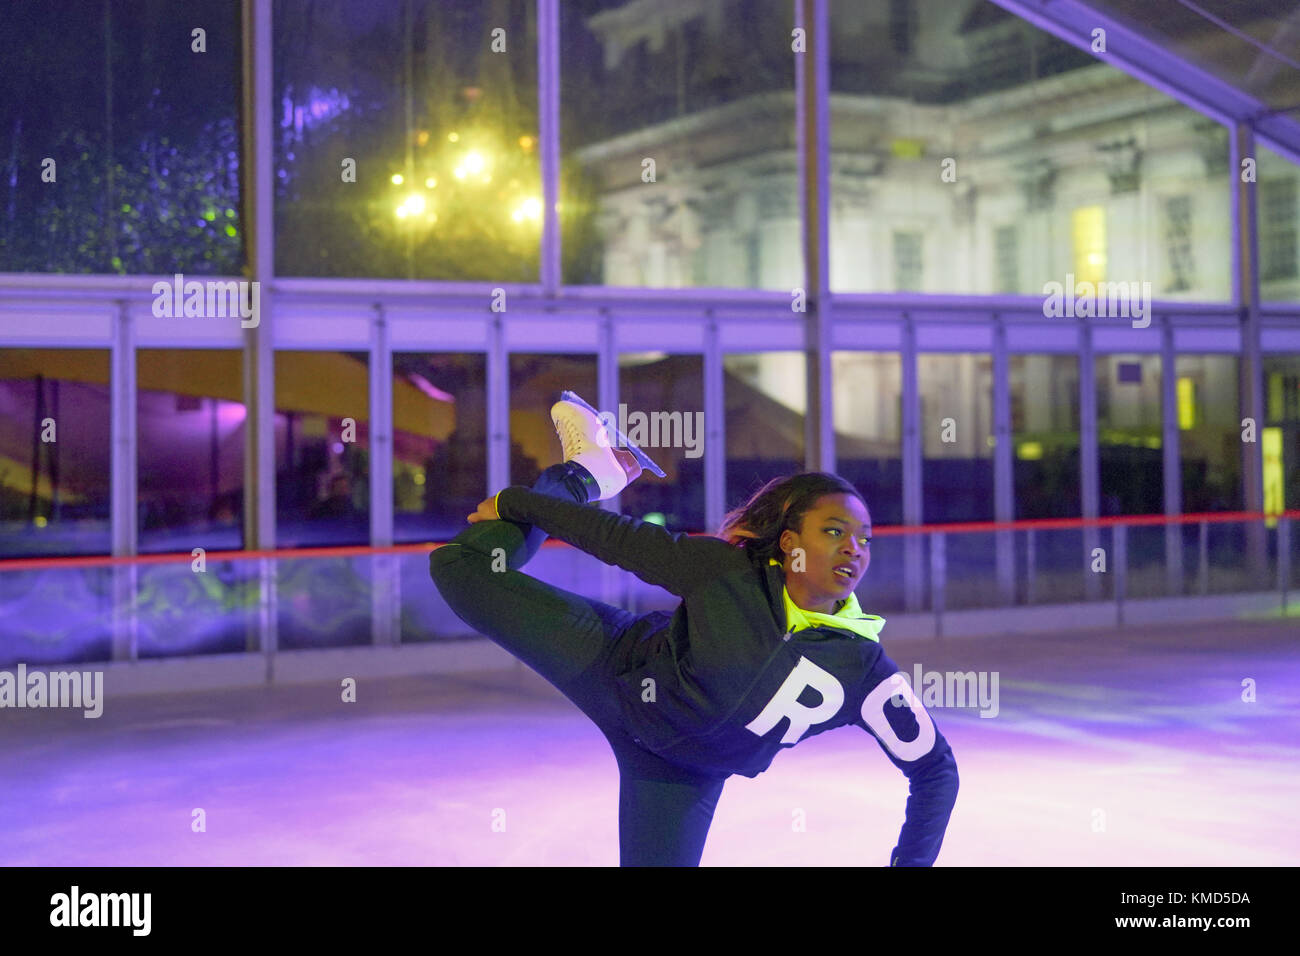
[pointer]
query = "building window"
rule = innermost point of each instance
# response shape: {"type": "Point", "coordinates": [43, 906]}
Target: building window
{"type": "Point", "coordinates": [1089, 233]}
{"type": "Point", "coordinates": [1178, 243]}
{"type": "Point", "coordinates": [907, 261]}
{"type": "Point", "coordinates": [1006, 246]}
{"type": "Point", "coordinates": [1277, 229]}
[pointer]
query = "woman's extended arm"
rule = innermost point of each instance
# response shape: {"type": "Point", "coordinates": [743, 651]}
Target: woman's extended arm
{"type": "Point", "coordinates": [906, 733]}
{"type": "Point", "coordinates": [677, 562]}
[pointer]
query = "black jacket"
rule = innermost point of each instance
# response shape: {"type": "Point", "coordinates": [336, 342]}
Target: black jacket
{"type": "Point", "coordinates": [722, 687]}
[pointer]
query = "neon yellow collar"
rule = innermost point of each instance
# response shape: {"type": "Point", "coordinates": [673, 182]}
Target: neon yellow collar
{"type": "Point", "coordinates": [849, 616]}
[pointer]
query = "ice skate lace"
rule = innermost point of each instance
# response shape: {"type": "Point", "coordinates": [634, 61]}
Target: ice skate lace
{"type": "Point", "coordinates": [571, 440]}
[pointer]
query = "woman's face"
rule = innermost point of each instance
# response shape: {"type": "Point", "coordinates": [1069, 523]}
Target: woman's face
{"type": "Point", "coordinates": [836, 533]}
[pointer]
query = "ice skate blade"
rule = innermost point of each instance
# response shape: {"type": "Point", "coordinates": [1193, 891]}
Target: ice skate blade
{"type": "Point", "coordinates": [623, 442]}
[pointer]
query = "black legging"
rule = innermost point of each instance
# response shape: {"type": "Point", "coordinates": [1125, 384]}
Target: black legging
{"type": "Point", "coordinates": [664, 810]}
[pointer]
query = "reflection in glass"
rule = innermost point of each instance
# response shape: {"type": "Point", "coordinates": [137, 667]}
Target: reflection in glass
{"type": "Point", "coordinates": [867, 406]}
{"type": "Point", "coordinates": [190, 460]}
{"type": "Point", "coordinates": [765, 398]}
{"type": "Point", "coordinates": [536, 381]}
{"type": "Point", "coordinates": [322, 441]}
{"type": "Point", "coordinates": [1129, 442]}
{"type": "Point", "coordinates": [54, 452]}
{"type": "Point", "coordinates": [1045, 435]}
{"type": "Point", "coordinates": [714, 202]}
{"type": "Point", "coordinates": [668, 393]}
{"type": "Point", "coordinates": [439, 443]}
{"type": "Point", "coordinates": [957, 436]}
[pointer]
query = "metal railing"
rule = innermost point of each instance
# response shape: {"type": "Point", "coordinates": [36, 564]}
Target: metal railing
{"type": "Point", "coordinates": [98, 607]}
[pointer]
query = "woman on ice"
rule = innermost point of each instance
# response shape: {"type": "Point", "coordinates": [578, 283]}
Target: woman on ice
{"type": "Point", "coordinates": [768, 646]}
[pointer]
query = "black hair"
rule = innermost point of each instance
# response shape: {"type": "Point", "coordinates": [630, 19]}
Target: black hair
{"type": "Point", "coordinates": [780, 505]}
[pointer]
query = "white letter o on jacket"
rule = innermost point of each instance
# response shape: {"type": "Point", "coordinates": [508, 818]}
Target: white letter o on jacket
{"type": "Point", "coordinates": [873, 714]}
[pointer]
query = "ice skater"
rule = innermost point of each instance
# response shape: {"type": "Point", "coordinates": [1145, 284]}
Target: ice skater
{"type": "Point", "coordinates": [768, 646]}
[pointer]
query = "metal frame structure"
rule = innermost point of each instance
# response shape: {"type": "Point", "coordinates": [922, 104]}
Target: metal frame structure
{"type": "Point", "coordinates": [385, 316]}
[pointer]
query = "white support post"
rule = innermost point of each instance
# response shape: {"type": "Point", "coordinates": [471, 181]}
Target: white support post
{"type": "Point", "coordinates": [383, 568]}
{"type": "Point", "coordinates": [715, 428]}
{"type": "Point", "coordinates": [1004, 479]}
{"type": "Point", "coordinates": [548, 134]}
{"type": "Point", "coordinates": [1172, 451]}
{"type": "Point", "coordinates": [122, 489]}
{"type": "Point", "coordinates": [913, 577]}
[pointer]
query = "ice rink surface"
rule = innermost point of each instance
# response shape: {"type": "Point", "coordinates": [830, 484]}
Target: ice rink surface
{"type": "Point", "coordinates": [1109, 748]}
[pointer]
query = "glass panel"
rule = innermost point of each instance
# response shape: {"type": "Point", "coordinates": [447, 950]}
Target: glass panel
{"type": "Point", "coordinates": [1045, 435]}
{"type": "Point", "coordinates": [1131, 462]}
{"type": "Point", "coordinates": [190, 459]}
{"type": "Point", "coordinates": [536, 381]}
{"type": "Point", "coordinates": [56, 616]}
{"type": "Point", "coordinates": [54, 452]}
{"type": "Point", "coordinates": [677, 130]}
{"type": "Point", "coordinates": [1281, 433]}
{"type": "Point", "coordinates": [439, 443]}
{"type": "Point", "coordinates": [868, 407]}
{"type": "Point", "coordinates": [765, 397]}
{"type": "Point", "coordinates": [1277, 200]}
{"type": "Point", "coordinates": [1237, 54]}
{"type": "Point", "coordinates": [322, 448]}
{"type": "Point", "coordinates": [324, 602]}
{"type": "Point", "coordinates": [956, 436]}
{"type": "Point", "coordinates": [1209, 429]}
{"type": "Point", "coordinates": [121, 138]}
{"type": "Point", "coordinates": [941, 183]}
{"type": "Point", "coordinates": [407, 140]}
{"type": "Point", "coordinates": [664, 395]}
{"type": "Point", "coordinates": [182, 613]}
{"type": "Point", "coordinates": [1052, 565]}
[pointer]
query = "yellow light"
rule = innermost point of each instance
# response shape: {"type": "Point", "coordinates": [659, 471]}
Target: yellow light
{"type": "Point", "coordinates": [430, 183]}
{"type": "Point", "coordinates": [40, 521]}
{"type": "Point", "coordinates": [397, 179]}
{"type": "Point", "coordinates": [419, 477]}
{"type": "Point", "coordinates": [458, 172]}
{"type": "Point", "coordinates": [423, 137]}
{"type": "Point", "coordinates": [1186, 404]}
{"type": "Point", "coordinates": [526, 142]}
{"type": "Point", "coordinates": [474, 162]}
{"type": "Point", "coordinates": [1274, 486]}
{"type": "Point", "coordinates": [401, 211]}
{"type": "Point", "coordinates": [415, 202]}
{"type": "Point", "coordinates": [907, 148]}
{"type": "Point", "coordinates": [454, 137]}
{"type": "Point", "coordinates": [1030, 451]}
{"type": "Point", "coordinates": [1089, 235]}
{"type": "Point", "coordinates": [530, 208]}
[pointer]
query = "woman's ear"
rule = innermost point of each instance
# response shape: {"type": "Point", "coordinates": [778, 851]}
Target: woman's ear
{"type": "Point", "coordinates": [785, 543]}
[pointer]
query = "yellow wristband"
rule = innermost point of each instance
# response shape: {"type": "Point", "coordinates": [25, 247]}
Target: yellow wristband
{"type": "Point", "coordinates": [494, 502]}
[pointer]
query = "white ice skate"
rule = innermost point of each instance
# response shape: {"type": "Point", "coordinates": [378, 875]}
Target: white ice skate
{"type": "Point", "coordinates": [585, 439]}
{"type": "Point", "coordinates": [623, 441]}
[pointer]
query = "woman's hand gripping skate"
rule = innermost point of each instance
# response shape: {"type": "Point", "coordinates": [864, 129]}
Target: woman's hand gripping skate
{"type": "Point", "coordinates": [487, 511]}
